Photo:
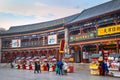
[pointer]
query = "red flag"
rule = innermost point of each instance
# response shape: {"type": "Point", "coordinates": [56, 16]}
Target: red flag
{"type": "Point", "coordinates": [62, 46]}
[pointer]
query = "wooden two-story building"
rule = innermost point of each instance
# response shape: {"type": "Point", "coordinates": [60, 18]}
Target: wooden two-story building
{"type": "Point", "coordinates": [93, 31]}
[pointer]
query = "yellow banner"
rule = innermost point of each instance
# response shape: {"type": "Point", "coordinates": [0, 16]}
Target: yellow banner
{"type": "Point", "coordinates": [108, 30]}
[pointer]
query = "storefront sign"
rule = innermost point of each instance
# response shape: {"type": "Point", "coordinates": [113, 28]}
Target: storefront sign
{"type": "Point", "coordinates": [108, 30]}
{"type": "Point", "coordinates": [52, 39]}
{"type": "Point", "coordinates": [16, 43]}
{"type": "Point", "coordinates": [82, 36]}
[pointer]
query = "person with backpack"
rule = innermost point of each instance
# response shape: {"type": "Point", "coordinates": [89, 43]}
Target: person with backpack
{"type": "Point", "coordinates": [60, 66]}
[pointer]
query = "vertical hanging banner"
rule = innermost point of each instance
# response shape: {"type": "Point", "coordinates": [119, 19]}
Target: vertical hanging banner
{"type": "Point", "coordinates": [62, 46]}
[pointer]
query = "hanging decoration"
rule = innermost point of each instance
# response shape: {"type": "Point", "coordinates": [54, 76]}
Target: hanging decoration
{"type": "Point", "coordinates": [62, 46]}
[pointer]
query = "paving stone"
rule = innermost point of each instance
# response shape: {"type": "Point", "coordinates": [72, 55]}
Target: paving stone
{"type": "Point", "coordinates": [15, 74]}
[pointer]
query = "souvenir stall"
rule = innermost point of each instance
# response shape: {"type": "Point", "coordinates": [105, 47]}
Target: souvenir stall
{"type": "Point", "coordinates": [17, 63]}
{"type": "Point", "coordinates": [67, 57]}
{"type": "Point", "coordinates": [52, 64]}
{"type": "Point", "coordinates": [43, 61]}
{"type": "Point", "coordinates": [94, 66]}
{"type": "Point", "coordinates": [29, 63]}
{"type": "Point", "coordinates": [20, 63]}
{"type": "Point", "coordinates": [114, 65]}
{"type": "Point", "coordinates": [23, 63]}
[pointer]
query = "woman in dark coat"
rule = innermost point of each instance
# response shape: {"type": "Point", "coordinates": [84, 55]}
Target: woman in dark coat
{"type": "Point", "coordinates": [102, 65]}
{"type": "Point", "coordinates": [36, 67]}
{"type": "Point", "coordinates": [48, 66]}
{"type": "Point", "coordinates": [39, 67]}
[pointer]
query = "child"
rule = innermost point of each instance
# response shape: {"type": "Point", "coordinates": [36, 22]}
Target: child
{"type": "Point", "coordinates": [56, 69]}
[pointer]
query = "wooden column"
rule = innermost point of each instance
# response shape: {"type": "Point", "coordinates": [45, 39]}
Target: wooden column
{"type": "Point", "coordinates": [115, 20]}
{"type": "Point", "coordinates": [97, 48]}
{"type": "Point", "coordinates": [29, 42]}
{"type": "Point", "coordinates": [117, 46]}
{"type": "Point", "coordinates": [81, 49]}
{"type": "Point", "coordinates": [80, 29]}
{"type": "Point", "coordinates": [38, 41]}
{"type": "Point", "coordinates": [43, 40]}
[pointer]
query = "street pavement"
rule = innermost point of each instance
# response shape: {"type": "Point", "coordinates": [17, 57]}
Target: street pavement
{"type": "Point", "coordinates": [15, 74]}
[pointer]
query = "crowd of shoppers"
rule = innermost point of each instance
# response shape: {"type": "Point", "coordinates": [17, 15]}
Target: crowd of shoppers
{"type": "Point", "coordinates": [61, 67]}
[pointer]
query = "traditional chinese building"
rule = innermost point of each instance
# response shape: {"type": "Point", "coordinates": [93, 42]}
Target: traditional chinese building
{"type": "Point", "coordinates": [95, 30]}
{"type": "Point", "coordinates": [40, 39]}
{"type": "Point", "coordinates": [92, 31]}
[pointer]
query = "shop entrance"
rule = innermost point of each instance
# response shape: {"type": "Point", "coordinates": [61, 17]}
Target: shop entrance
{"type": "Point", "coordinates": [77, 56]}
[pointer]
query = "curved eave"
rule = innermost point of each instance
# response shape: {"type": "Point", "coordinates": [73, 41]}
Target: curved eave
{"type": "Point", "coordinates": [91, 18]}
{"type": "Point", "coordinates": [32, 31]}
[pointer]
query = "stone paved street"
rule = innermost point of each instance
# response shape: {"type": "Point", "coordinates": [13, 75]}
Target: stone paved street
{"type": "Point", "coordinates": [13, 74]}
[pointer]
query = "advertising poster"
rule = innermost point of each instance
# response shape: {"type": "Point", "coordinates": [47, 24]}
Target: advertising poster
{"type": "Point", "coordinates": [52, 39]}
{"type": "Point", "coordinates": [16, 43]}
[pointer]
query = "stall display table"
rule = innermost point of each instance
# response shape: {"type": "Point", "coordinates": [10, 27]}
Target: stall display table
{"type": "Point", "coordinates": [114, 72]}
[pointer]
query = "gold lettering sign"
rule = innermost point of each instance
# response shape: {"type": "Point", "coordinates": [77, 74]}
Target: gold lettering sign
{"type": "Point", "coordinates": [108, 30]}
{"type": "Point", "coordinates": [81, 37]}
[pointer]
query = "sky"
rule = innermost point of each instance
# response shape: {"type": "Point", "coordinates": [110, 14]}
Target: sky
{"type": "Point", "coordinates": [23, 12]}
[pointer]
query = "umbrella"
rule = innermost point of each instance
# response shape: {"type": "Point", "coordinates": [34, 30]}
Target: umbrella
{"type": "Point", "coordinates": [36, 59]}
{"type": "Point", "coordinates": [45, 60]}
{"type": "Point", "coordinates": [54, 59]}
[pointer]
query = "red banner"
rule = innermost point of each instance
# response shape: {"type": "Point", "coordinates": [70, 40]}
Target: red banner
{"type": "Point", "coordinates": [62, 46]}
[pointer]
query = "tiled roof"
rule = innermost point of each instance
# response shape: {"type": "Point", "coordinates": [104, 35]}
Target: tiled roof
{"type": "Point", "coordinates": [40, 26]}
{"type": "Point", "coordinates": [85, 14]}
{"type": "Point", "coordinates": [98, 10]}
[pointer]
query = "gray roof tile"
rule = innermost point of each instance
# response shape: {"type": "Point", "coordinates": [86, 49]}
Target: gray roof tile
{"type": "Point", "coordinates": [98, 10]}
{"type": "Point", "coordinates": [85, 14]}
{"type": "Point", "coordinates": [40, 26]}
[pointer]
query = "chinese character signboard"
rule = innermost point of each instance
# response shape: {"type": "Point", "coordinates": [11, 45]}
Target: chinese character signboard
{"type": "Point", "coordinates": [108, 30]}
{"type": "Point", "coordinates": [52, 39]}
{"type": "Point", "coordinates": [16, 43]}
{"type": "Point", "coordinates": [82, 37]}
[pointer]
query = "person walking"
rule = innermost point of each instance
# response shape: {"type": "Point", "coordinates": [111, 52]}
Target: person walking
{"type": "Point", "coordinates": [106, 68]}
{"type": "Point", "coordinates": [36, 67]}
{"type": "Point", "coordinates": [60, 66]}
{"type": "Point", "coordinates": [102, 65]}
{"type": "Point", "coordinates": [48, 66]}
{"type": "Point", "coordinates": [11, 65]}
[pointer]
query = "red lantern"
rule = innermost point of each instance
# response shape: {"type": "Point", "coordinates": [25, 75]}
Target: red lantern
{"type": "Point", "coordinates": [15, 53]}
{"type": "Point", "coordinates": [52, 50]}
{"type": "Point", "coordinates": [24, 52]}
{"type": "Point", "coordinates": [76, 47]}
{"type": "Point", "coordinates": [43, 51]}
{"type": "Point", "coordinates": [6, 52]}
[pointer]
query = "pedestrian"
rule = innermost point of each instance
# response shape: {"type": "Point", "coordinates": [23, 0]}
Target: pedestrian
{"type": "Point", "coordinates": [11, 65]}
{"type": "Point", "coordinates": [102, 66]}
{"type": "Point", "coordinates": [65, 67]}
{"type": "Point", "coordinates": [39, 67]}
{"type": "Point", "coordinates": [56, 69]}
{"type": "Point", "coordinates": [60, 66]}
{"type": "Point", "coordinates": [36, 67]}
{"type": "Point", "coordinates": [48, 66]}
{"type": "Point", "coordinates": [106, 68]}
